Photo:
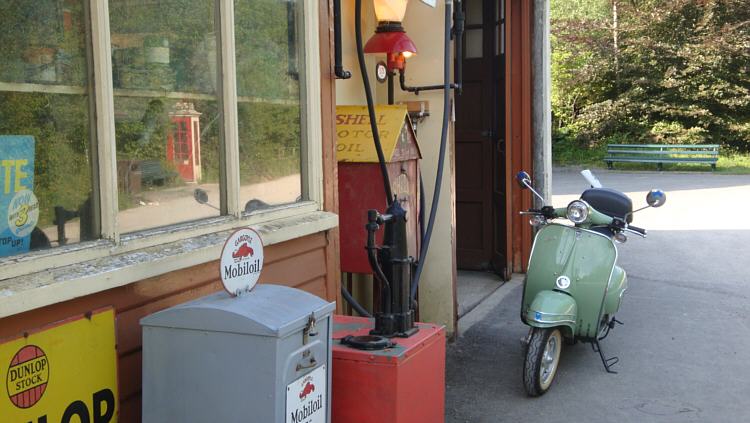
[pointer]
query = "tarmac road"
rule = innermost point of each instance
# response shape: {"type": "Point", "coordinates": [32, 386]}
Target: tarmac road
{"type": "Point", "coordinates": [685, 347]}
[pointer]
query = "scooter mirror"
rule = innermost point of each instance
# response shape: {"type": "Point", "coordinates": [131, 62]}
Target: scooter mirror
{"type": "Point", "coordinates": [523, 178]}
{"type": "Point", "coordinates": [656, 198]}
{"type": "Point", "coordinates": [200, 195]}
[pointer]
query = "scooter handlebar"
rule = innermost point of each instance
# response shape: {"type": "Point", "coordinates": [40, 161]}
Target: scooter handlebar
{"type": "Point", "coordinates": [637, 229]}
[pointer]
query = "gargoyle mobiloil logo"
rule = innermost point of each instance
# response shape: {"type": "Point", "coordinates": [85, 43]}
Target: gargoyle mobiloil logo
{"type": "Point", "coordinates": [27, 376]}
{"type": "Point", "coordinates": [241, 261]}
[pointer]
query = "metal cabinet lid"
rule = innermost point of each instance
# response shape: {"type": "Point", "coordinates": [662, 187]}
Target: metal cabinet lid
{"type": "Point", "coordinates": [268, 310]}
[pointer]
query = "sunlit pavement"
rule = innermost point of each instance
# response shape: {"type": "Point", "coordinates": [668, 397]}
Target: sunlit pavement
{"type": "Point", "coordinates": [684, 346]}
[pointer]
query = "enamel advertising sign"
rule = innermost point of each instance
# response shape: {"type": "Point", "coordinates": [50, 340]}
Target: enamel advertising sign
{"type": "Point", "coordinates": [19, 209]}
{"type": "Point", "coordinates": [241, 261]}
{"type": "Point", "coordinates": [63, 373]}
{"type": "Point", "coordinates": [306, 398]}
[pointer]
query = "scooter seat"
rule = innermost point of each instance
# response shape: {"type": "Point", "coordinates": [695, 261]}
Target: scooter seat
{"type": "Point", "coordinates": [609, 201]}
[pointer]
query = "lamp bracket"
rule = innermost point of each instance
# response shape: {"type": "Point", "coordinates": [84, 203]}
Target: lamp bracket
{"type": "Point", "coordinates": [389, 26]}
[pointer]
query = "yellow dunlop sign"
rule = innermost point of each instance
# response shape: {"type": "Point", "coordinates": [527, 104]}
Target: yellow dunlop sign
{"type": "Point", "coordinates": [354, 134]}
{"type": "Point", "coordinates": [64, 373]}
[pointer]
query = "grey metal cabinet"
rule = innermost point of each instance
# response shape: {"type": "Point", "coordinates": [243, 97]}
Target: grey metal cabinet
{"type": "Point", "coordinates": [261, 357]}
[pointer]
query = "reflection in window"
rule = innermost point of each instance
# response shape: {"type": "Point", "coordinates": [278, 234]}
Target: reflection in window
{"type": "Point", "coordinates": [45, 142]}
{"type": "Point", "coordinates": [269, 56]}
{"type": "Point", "coordinates": [164, 60]}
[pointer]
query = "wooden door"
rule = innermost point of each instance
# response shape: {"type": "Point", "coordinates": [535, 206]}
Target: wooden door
{"type": "Point", "coordinates": [480, 153]}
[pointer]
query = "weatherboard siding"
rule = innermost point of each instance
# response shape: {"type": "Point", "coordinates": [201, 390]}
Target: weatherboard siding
{"type": "Point", "coordinates": [299, 263]}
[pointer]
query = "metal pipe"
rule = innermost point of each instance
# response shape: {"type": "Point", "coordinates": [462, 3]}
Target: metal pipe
{"type": "Point", "coordinates": [338, 67]}
{"type": "Point", "coordinates": [416, 90]}
{"type": "Point", "coordinates": [458, 32]}
{"type": "Point", "coordinates": [373, 219]}
{"type": "Point", "coordinates": [391, 94]}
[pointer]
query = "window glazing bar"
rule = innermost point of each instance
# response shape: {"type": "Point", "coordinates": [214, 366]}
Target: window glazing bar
{"type": "Point", "coordinates": [104, 119]}
{"type": "Point", "coordinates": [230, 160]}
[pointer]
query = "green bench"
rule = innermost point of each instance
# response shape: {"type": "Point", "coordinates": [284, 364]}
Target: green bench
{"type": "Point", "coordinates": [153, 173]}
{"type": "Point", "coordinates": [660, 154]}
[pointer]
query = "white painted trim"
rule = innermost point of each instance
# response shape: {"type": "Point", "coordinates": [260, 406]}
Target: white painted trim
{"type": "Point", "coordinates": [105, 119]}
{"type": "Point", "coordinates": [16, 266]}
{"type": "Point", "coordinates": [312, 159]}
{"type": "Point", "coordinates": [42, 88]}
{"type": "Point", "coordinates": [29, 292]}
{"type": "Point", "coordinates": [230, 130]}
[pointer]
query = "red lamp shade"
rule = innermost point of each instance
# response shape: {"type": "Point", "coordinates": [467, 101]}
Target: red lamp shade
{"type": "Point", "coordinates": [394, 44]}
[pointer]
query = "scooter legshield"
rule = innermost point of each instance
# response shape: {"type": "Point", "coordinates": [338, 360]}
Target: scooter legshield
{"type": "Point", "coordinates": [574, 262]}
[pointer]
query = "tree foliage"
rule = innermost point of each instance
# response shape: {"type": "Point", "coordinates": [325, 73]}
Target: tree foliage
{"type": "Point", "coordinates": [652, 71]}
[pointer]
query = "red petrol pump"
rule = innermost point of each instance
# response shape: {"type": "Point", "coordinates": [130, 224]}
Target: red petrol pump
{"type": "Point", "coordinates": [358, 162]}
{"type": "Point", "coordinates": [389, 368]}
{"type": "Point", "coordinates": [397, 376]}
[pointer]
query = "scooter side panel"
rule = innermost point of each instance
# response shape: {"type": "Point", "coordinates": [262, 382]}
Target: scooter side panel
{"type": "Point", "coordinates": [587, 258]}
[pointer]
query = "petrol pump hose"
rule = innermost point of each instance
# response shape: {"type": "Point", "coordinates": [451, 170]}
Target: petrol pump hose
{"type": "Point", "coordinates": [375, 136]}
{"type": "Point", "coordinates": [378, 147]}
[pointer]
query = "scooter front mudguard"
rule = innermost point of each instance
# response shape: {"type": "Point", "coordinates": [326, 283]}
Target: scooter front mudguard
{"type": "Point", "coordinates": [583, 262]}
{"type": "Point", "coordinates": [552, 308]}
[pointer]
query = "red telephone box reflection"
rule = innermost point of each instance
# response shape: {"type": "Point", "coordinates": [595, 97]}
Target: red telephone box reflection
{"type": "Point", "coordinates": [184, 141]}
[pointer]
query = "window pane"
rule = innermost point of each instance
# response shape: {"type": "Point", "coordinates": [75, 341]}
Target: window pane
{"type": "Point", "coordinates": [474, 40]}
{"type": "Point", "coordinates": [473, 12]}
{"type": "Point", "coordinates": [45, 143]}
{"type": "Point", "coordinates": [167, 115]}
{"type": "Point", "coordinates": [270, 68]}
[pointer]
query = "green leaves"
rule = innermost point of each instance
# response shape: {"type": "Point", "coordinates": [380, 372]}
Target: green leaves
{"type": "Point", "coordinates": [681, 74]}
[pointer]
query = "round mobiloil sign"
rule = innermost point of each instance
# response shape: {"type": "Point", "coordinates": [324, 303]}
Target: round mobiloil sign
{"type": "Point", "coordinates": [241, 261]}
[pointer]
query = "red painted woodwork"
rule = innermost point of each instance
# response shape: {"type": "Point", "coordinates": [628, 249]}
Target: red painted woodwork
{"type": "Point", "coordinates": [403, 384]}
{"type": "Point", "coordinates": [519, 149]}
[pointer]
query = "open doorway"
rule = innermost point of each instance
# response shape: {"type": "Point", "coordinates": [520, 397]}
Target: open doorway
{"type": "Point", "coordinates": [480, 142]}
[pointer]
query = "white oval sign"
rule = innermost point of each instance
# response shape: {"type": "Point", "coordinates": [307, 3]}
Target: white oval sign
{"type": "Point", "coordinates": [241, 261]}
{"type": "Point", "coordinates": [563, 282]}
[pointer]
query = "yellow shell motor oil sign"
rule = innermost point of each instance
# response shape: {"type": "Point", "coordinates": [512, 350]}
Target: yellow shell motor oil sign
{"type": "Point", "coordinates": [354, 132]}
{"type": "Point", "coordinates": [64, 373]}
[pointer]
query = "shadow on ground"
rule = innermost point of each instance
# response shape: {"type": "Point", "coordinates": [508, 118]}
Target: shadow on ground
{"type": "Point", "coordinates": [682, 349]}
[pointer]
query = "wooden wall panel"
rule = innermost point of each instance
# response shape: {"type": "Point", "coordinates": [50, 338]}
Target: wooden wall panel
{"type": "Point", "coordinates": [518, 127]}
{"type": "Point", "coordinates": [330, 164]}
{"type": "Point", "coordinates": [300, 263]}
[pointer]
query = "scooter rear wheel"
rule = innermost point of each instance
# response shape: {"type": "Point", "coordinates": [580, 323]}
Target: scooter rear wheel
{"type": "Point", "coordinates": [542, 359]}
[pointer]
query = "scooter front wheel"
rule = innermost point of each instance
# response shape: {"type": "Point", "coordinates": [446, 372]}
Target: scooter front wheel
{"type": "Point", "coordinates": [542, 359]}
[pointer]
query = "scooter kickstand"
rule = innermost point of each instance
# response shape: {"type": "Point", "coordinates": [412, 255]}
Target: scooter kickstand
{"type": "Point", "coordinates": [607, 362]}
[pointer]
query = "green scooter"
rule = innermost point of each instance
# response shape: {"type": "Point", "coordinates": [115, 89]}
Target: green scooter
{"type": "Point", "coordinates": [573, 286]}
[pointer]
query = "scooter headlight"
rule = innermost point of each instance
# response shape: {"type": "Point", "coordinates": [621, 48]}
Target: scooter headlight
{"type": "Point", "coordinates": [578, 211]}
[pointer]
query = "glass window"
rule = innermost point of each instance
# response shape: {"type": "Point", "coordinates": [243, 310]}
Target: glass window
{"type": "Point", "coordinates": [474, 43]}
{"type": "Point", "coordinates": [46, 195]}
{"type": "Point", "coordinates": [474, 12]}
{"type": "Point", "coordinates": [167, 114]}
{"type": "Point", "coordinates": [270, 72]}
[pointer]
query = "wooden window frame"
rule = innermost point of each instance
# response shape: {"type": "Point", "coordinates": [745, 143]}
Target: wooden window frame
{"type": "Point", "coordinates": [280, 223]}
